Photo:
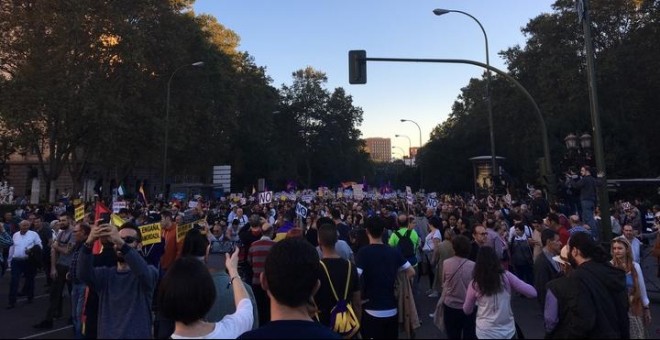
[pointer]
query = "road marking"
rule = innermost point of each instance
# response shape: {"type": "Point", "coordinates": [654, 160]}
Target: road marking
{"type": "Point", "coordinates": [46, 333]}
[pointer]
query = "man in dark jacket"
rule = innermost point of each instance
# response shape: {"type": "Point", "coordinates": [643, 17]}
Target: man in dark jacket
{"type": "Point", "coordinates": [545, 269]}
{"type": "Point", "coordinates": [588, 185]}
{"type": "Point", "coordinates": [592, 303]}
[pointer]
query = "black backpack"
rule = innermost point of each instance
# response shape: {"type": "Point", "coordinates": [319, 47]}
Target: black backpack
{"type": "Point", "coordinates": [405, 245]}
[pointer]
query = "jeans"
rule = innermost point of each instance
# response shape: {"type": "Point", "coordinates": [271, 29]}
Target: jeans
{"type": "Point", "coordinates": [77, 303]}
{"type": "Point", "coordinates": [588, 208]}
{"type": "Point", "coordinates": [55, 308]}
{"type": "Point", "coordinates": [20, 267]}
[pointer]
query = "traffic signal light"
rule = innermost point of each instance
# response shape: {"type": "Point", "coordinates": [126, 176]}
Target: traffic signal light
{"type": "Point", "coordinates": [357, 67]}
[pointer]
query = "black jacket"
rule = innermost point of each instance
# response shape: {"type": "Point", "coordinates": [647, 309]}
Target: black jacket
{"type": "Point", "coordinates": [603, 288]}
{"type": "Point", "coordinates": [544, 272]}
{"type": "Point", "coordinates": [588, 187]}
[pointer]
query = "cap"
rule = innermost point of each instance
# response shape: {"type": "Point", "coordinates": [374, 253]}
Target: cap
{"type": "Point", "coordinates": [562, 258]}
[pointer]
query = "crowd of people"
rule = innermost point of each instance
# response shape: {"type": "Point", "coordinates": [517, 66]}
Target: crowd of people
{"type": "Point", "coordinates": [340, 268]}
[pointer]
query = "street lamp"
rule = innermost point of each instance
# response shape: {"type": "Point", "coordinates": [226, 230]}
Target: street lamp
{"type": "Point", "coordinates": [496, 170]}
{"type": "Point", "coordinates": [578, 154]}
{"type": "Point", "coordinates": [167, 118]}
{"type": "Point", "coordinates": [409, 143]}
{"type": "Point", "coordinates": [402, 151]}
{"type": "Point", "coordinates": [421, 171]}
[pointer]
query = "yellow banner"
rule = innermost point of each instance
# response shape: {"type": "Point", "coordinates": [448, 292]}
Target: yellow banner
{"type": "Point", "coordinates": [181, 230]}
{"type": "Point", "coordinates": [80, 212]}
{"type": "Point", "coordinates": [116, 220]}
{"type": "Point", "coordinates": [150, 233]}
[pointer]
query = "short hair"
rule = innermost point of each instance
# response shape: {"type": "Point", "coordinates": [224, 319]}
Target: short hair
{"type": "Point", "coordinates": [553, 218]}
{"type": "Point", "coordinates": [547, 234]}
{"type": "Point", "coordinates": [166, 213]}
{"type": "Point", "coordinates": [588, 247]}
{"type": "Point", "coordinates": [187, 291]}
{"type": "Point", "coordinates": [324, 220]}
{"type": "Point", "coordinates": [85, 227]}
{"type": "Point", "coordinates": [255, 220]}
{"type": "Point", "coordinates": [194, 244]}
{"type": "Point", "coordinates": [335, 213]}
{"type": "Point", "coordinates": [327, 235]}
{"type": "Point", "coordinates": [130, 225]}
{"type": "Point", "coordinates": [436, 222]}
{"type": "Point", "coordinates": [291, 271]}
{"type": "Point", "coordinates": [375, 226]}
{"type": "Point", "coordinates": [461, 245]}
{"type": "Point", "coordinates": [402, 220]}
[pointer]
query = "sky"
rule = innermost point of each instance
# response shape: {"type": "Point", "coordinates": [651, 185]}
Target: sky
{"type": "Point", "coordinates": [288, 35]}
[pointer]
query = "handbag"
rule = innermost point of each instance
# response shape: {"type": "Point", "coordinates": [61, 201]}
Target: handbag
{"type": "Point", "coordinates": [439, 315]}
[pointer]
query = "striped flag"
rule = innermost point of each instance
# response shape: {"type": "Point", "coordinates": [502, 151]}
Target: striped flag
{"type": "Point", "coordinates": [142, 196]}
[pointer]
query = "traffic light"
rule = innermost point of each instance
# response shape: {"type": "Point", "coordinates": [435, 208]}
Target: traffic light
{"type": "Point", "coordinates": [357, 67]}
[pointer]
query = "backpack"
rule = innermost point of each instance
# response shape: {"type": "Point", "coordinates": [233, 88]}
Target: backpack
{"type": "Point", "coordinates": [342, 317]}
{"type": "Point", "coordinates": [405, 245]}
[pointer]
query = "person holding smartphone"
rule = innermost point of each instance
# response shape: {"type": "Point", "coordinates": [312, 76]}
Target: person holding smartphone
{"type": "Point", "coordinates": [132, 281]}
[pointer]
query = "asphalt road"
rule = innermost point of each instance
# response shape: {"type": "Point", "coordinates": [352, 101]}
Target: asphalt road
{"type": "Point", "coordinates": [17, 322]}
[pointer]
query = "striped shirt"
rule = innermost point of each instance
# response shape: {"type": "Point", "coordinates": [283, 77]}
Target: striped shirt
{"type": "Point", "coordinates": [257, 256]}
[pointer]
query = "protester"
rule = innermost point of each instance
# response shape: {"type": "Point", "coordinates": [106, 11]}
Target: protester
{"type": "Point", "coordinates": [61, 254]}
{"type": "Point", "coordinates": [187, 293]}
{"type": "Point", "coordinates": [378, 265]}
{"type": "Point", "coordinates": [257, 259]}
{"type": "Point", "coordinates": [291, 279]}
{"type": "Point", "coordinates": [456, 275]}
{"type": "Point", "coordinates": [545, 268]}
{"type": "Point", "coordinates": [338, 277]}
{"type": "Point", "coordinates": [25, 241]}
{"type": "Point", "coordinates": [80, 233]}
{"type": "Point", "coordinates": [132, 282]}
{"type": "Point", "coordinates": [639, 313]}
{"type": "Point", "coordinates": [491, 289]}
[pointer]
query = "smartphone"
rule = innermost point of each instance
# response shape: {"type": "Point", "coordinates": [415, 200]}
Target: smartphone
{"type": "Point", "coordinates": [222, 247]}
{"type": "Point", "coordinates": [105, 218]}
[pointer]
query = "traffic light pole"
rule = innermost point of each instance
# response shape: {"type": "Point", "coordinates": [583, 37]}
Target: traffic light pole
{"type": "Point", "coordinates": [358, 75]}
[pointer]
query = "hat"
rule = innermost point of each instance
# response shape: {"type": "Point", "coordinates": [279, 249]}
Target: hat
{"type": "Point", "coordinates": [562, 258]}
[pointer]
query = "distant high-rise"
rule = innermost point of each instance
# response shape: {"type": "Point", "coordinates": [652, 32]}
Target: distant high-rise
{"type": "Point", "coordinates": [379, 149]}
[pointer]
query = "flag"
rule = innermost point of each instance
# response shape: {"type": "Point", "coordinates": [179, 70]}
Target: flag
{"type": "Point", "coordinates": [116, 220]}
{"type": "Point", "coordinates": [120, 190]}
{"type": "Point", "coordinates": [99, 210]}
{"type": "Point", "coordinates": [142, 197]}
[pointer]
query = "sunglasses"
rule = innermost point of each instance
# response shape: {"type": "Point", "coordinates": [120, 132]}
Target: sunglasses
{"type": "Point", "coordinates": [129, 239]}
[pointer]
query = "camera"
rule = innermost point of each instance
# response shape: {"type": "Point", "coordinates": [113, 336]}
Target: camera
{"type": "Point", "coordinates": [221, 247]}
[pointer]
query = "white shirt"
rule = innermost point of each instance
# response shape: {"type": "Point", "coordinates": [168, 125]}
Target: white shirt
{"type": "Point", "coordinates": [23, 243]}
{"type": "Point", "coordinates": [231, 326]}
{"type": "Point", "coordinates": [428, 242]}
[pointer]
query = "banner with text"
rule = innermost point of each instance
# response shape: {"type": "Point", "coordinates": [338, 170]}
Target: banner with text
{"type": "Point", "coordinates": [150, 233]}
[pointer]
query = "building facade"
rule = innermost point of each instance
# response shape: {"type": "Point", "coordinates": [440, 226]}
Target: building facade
{"type": "Point", "coordinates": [379, 149]}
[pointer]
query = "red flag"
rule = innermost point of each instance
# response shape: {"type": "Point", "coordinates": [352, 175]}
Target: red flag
{"type": "Point", "coordinates": [142, 195]}
{"type": "Point", "coordinates": [100, 209]}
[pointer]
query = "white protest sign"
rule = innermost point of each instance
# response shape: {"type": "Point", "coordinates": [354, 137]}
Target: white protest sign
{"type": "Point", "coordinates": [409, 196]}
{"type": "Point", "coordinates": [118, 205]}
{"type": "Point", "coordinates": [265, 197]}
{"type": "Point", "coordinates": [307, 198]}
{"type": "Point", "coordinates": [301, 210]}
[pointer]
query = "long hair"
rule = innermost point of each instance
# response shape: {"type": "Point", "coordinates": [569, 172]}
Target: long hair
{"type": "Point", "coordinates": [487, 275]}
{"type": "Point", "coordinates": [627, 265]}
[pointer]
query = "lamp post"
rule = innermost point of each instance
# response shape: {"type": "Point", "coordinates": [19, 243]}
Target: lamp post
{"type": "Point", "coordinates": [421, 171]}
{"type": "Point", "coordinates": [496, 170]}
{"type": "Point", "coordinates": [409, 143]}
{"type": "Point", "coordinates": [403, 153]}
{"type": "Point", "coordinates": [603, 196]}
{"type": "Point", "coordinates": [167, 118]}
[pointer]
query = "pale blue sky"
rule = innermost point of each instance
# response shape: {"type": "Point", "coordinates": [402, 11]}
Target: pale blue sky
{"type": "Point", "coordinates": [288, 35]}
